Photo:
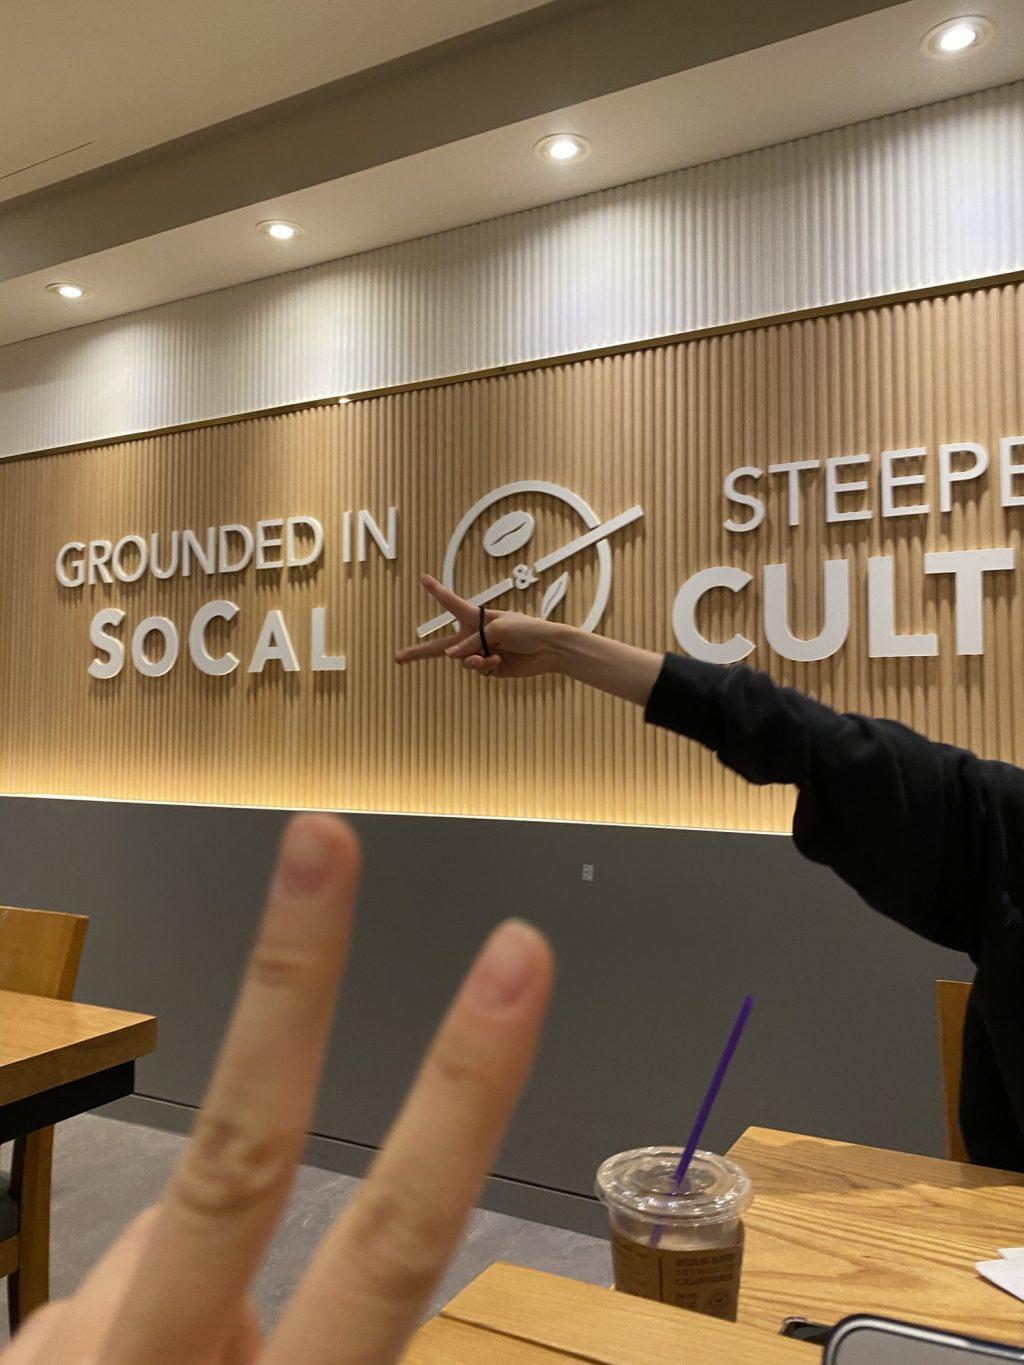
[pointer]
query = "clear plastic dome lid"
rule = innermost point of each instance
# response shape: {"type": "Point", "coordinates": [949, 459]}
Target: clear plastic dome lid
{"type": "Point", "coordinates": [640, 1183]}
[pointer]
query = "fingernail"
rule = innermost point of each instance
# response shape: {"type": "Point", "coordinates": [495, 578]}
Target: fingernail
{"type": "Point", "coordinates": [305, 856]}
{"type": "Point", "coordinates": [504, 968]}
{"type": "Point", "coordinates": [451, 650]}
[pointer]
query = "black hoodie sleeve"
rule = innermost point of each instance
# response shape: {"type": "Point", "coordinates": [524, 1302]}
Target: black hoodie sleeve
{"type": "Point", "coordinates": [915, 827]}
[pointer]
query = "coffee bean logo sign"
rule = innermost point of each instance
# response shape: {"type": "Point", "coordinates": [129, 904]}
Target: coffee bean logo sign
{"type": "Point", "coordinates": [511, 534]}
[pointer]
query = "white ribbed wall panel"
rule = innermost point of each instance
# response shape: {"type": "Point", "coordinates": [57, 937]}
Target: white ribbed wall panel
{"type": "Point", "coordinates": [930, 196]}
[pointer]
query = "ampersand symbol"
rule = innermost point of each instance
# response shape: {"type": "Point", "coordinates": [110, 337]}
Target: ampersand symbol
{"type": "Point", "coordinates": [523, 576]}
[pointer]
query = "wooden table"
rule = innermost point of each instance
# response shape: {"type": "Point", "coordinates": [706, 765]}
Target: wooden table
{"type": "Point", "coordinates": [510, 1316]}
{"type": "Point", "coordinates": [59, 1058]}
{"type": "Point", "coordinates": [834, 1229]}
{"type": "Point", "coordinates": [837, 1229]}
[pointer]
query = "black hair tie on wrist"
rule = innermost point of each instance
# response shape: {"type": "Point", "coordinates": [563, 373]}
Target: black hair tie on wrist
{"type": "Point", "coordinates": [483, 635]}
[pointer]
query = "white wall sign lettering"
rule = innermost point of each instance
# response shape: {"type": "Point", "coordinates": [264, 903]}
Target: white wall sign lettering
{"type": "Point", "coordinates": [515, 569]}
{"type": "Point", "coordinates": [855, 490]}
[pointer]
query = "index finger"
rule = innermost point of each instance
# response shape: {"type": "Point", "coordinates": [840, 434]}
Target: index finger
{"type": "Point", "coordinates": [225, 1195]}
{"type": "Point", "coordinates": [463, 611]}
{"type": "Point", "coordinates": [465, 615]}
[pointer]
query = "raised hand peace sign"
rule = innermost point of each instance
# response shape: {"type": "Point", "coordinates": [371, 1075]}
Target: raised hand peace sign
{"type": "Point", "coordinates": [520, 646]}
{"type": "Point", "coordinates": [173, 1289]}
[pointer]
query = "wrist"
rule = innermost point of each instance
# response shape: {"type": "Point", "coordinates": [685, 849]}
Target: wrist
{"type": "Point", "coordinates": [571, 650]}
{"type": "Point", "coordinates": [563, 647]}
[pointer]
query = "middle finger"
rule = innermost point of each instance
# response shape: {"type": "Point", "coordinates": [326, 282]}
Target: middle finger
{"type": "Point", "coordinates": [226, 1194]}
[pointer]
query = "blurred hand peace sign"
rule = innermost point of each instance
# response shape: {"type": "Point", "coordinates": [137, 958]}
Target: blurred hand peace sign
{"type": "Point", "coordinates": [173, 1289]}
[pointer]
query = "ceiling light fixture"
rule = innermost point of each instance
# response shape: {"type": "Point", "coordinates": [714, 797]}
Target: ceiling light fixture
{"type": "Point", "coordinates": [562, 148]}
{"type": "Point", "coordinates": [69, 291]}
{"type": "Point", "coordinates": [279, 229]}
{"type": "Point", "coordinates": [957, 35]}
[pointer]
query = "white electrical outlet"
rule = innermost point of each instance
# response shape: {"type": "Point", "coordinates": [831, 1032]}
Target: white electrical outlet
{"type": "Point", "coordinates": [588, 872]}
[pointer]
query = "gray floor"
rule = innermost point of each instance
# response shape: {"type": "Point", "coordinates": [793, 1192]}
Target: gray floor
{"type": "Point", "coordinates": [106, 1171]}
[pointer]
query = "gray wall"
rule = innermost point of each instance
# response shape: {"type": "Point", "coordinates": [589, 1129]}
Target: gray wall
{"type": "Point", "coordinates": [654, 957]}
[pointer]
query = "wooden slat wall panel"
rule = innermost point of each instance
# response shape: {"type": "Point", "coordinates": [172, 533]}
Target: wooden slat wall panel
{"type": "Point", "coordinates": [659, 427]}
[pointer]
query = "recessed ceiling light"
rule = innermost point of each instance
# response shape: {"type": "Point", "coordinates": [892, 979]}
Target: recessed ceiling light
{"type": "Point", "coordinates": [280, 230]}
{"type": "Point", "coordinates": [69, 291]}
{"type": "Point", "coordinates": [957, 35]}
{"type": "Point", "coordinates": [562, 147]}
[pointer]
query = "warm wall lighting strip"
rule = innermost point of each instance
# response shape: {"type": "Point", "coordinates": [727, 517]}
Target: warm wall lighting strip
{"type": "Point", "coordinates": [397, 814]}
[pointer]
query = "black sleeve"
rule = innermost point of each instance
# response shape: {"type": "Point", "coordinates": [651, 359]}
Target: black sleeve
{"type": "Point", "coordinates": [915, 827]}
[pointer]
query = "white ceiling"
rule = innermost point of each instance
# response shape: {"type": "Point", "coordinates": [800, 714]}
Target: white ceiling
{"type": "Point", "coordinates": [123, 75]}
{"type": "Point", "coordinates": [852, 71]}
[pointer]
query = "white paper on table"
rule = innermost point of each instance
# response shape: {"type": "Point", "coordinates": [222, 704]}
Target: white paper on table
{"type": "Point", "coordinates": [1007, 1274]}
{"type": "Point", "coordinates": [1009, 1252]}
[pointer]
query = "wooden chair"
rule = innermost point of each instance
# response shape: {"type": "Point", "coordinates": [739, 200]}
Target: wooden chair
{"type": "Point", "coordinates": [39, 955]}
{"type": "Point", "coordinates": [951, 999]}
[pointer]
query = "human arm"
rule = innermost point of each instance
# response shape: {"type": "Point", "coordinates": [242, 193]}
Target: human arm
{"type": "Point", "coordinates": [525, 647]}
{"type": "Point", "coordinates": [914, 826]}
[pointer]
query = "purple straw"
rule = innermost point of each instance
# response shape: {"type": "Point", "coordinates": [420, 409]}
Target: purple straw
{"type": "Point", "coordinates": [707, 1104]}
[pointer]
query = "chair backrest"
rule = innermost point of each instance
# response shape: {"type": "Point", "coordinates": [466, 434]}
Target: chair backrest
{"type": "Point", "coordinates": [951, 998]}
{"type": "Point", "coordinates": [40, 951]}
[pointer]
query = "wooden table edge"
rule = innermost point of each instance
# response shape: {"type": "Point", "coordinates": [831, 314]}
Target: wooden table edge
{"type": "Point", "coordinates": [134, 1036]}
{"type": "Point", "coordinates": [924, 1164]}
{"type": "Point", "coordinates": [465, 1308]}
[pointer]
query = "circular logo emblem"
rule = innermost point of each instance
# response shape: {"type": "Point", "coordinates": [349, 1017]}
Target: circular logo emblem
{"type": "Point", "coordinates": [507, 543]}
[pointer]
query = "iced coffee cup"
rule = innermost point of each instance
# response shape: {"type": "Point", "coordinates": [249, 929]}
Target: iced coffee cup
{"type": "Point", "coordinates": [684, 1248]}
